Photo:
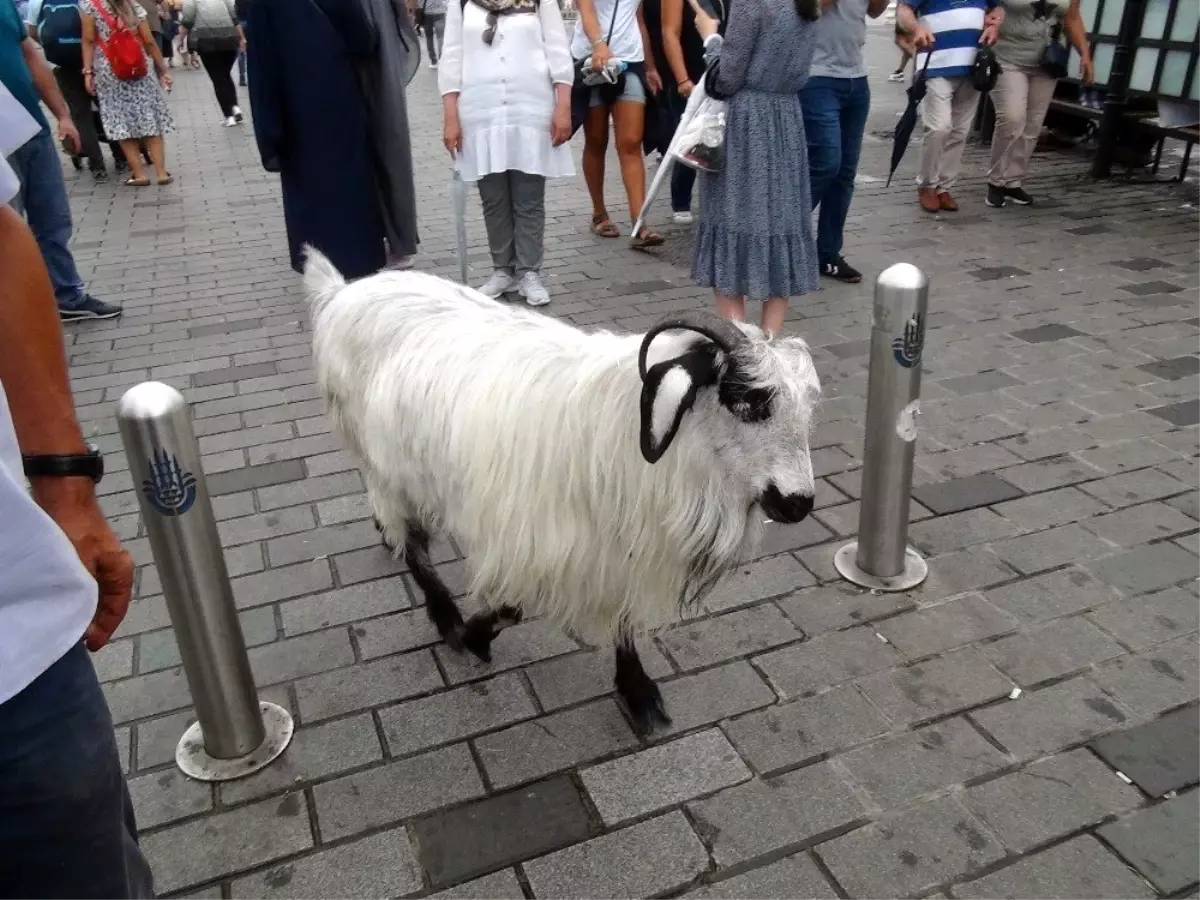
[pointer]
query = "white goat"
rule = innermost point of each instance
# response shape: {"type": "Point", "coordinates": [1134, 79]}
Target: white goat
{"type": "Point", "coordinates": [563, 463]}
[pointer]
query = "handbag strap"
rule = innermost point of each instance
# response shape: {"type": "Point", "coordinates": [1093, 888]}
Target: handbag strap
{"type": "Point", "coordinates": [612, 23]}
{"type": "Point", "coordinates": [113, 24]}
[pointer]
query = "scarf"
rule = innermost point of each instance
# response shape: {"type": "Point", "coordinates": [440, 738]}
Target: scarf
{"type": "Point", "coordinates": [504, 7]}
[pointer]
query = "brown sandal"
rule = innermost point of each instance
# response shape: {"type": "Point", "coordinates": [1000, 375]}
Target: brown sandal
{"type": "Point", "coordinates": [602, 225]}
{"type": "Point", "coordinates": [131, 181]}
{"type": "Point", "coordinates": [645, 239]}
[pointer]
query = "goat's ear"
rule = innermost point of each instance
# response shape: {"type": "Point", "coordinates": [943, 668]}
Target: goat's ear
{"type": "Point", "coordinates": [668, 391]}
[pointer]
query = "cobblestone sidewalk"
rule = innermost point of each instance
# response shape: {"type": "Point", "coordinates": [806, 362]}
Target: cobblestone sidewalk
{"type": "Point", "coordinates": [826, 742]}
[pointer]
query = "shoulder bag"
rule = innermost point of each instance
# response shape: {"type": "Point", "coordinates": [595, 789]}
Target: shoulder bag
{"type": "Point", "coordinates": [123, 48]}
{"type": "Point", "coordinates": [1055, 56]}
{"type": "Point", "coordinates": [581, 94]}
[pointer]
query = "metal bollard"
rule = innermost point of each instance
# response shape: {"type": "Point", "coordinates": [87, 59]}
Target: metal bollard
{"type": "Point", "coordinates": [881, 558]}
{"type": "Point", "coordinates": [235, 734]}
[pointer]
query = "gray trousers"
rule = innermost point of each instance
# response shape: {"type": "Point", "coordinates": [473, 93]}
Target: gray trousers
{"type": "Point", "coordinates": [514, 210]}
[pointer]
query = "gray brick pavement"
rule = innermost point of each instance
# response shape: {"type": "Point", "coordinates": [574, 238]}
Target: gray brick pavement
{"type": "Point", "coordinates": [826, 741]}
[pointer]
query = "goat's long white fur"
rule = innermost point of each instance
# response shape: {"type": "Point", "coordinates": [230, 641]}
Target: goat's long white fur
{"type": "Point", "coordinates": [518, 435]}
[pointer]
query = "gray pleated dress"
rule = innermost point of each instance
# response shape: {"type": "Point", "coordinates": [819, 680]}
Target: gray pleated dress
{"type": "Point", "coordinates": [755, 233]}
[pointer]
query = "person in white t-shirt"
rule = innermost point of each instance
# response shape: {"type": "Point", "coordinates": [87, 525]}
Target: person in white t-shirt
{"type": "Point", "coordinates": [66, 820]}
{"type": "Point", "coordinates": [609, 30]}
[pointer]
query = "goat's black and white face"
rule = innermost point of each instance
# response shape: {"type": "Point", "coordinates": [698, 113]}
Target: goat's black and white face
{"type": "Point", "coordinates": [751, 403]}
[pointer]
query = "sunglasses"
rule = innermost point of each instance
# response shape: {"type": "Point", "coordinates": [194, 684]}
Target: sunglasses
{"type": "Point", "coordinates": [490, 34]}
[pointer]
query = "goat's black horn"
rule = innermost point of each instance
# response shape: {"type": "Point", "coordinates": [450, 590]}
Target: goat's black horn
{"type": "Point", "coordinates": [722, 332]}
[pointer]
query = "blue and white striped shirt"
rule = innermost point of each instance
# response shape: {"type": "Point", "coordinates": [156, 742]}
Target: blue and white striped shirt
{"type": "Point", "coordinates": [956, 26]}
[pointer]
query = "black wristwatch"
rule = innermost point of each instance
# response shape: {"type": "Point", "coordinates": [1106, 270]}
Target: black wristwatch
{"type": "Point", "coordinates": [85, 465]}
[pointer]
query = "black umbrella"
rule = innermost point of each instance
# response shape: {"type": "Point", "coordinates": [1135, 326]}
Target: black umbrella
{"type": "Point", "coordinates": [908, 121]}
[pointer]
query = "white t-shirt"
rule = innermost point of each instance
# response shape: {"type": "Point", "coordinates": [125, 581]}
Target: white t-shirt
{"type": "Point", "coordinates": [626, 40]}
{"type": "Point", "coordinates": [47, 597]}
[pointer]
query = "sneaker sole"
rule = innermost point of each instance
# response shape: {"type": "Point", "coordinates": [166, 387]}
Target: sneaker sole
{"type": "Point", "coordinates": [1020, 202]}
{"type": "Point", "coordinates": [86, 316]}
{"type": "Point", "coordinates": [1000, 205]}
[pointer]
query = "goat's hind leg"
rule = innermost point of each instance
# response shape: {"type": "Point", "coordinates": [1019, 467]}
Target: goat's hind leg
{"type": "Point", "coordinates": [439, 603]}
{"type": "Point", "coordinates": [481, 629]}
{"type": "Point", "coordinates": [637, 689]}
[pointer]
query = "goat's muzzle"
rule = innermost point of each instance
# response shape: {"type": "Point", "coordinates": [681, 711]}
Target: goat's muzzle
{"type": "Point", "coordinates": [787, 509]}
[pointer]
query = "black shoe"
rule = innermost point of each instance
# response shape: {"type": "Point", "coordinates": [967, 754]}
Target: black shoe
{"type": "Point", "coordinates": [90, 308]}
{"type": "Point", "coordinates": [99, 175]}
{"type": "Point", "coordinates": [120, 165]}
{"type": "Point", "coordinates": [996, 196]}
{"type": "Point", "coordinates": [841, 270]}
{"type": "Point", "coordinates": [77, 162]}
{"type": "Point", "coordinates": [1018, 196]}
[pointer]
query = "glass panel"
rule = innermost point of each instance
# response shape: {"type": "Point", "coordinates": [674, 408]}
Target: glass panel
{"type": "Point", "coordinates": [1187, 17]}
{"type": "Point", "coordinates": [1173, 73]}
{"type": "Point", "coordinates": [1102, 62]}
{"type": "Point", "coordinates": [1073, 65]}
{"type": "Point", "coordinates": [1110, 22]}
{"type": "Point", "coordinates": [1087, 9]}
{"type": "Point", "coordinates": [1142, 78]}
{"type": "Point", "coordinates": [1154, 22]}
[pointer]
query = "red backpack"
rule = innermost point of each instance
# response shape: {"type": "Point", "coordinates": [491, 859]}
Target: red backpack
{"type": "Point", "coordinates": [123, 49]}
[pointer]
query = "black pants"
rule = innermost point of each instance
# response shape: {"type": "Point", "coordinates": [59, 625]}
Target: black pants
{"type": "Point", "coordinates": [79, 102]}
{"type": "Point", "coordinates": [219, 66]}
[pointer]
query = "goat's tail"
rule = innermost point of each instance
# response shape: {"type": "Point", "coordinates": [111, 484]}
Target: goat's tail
{"type": "Point", "coordinates": [322, 280]}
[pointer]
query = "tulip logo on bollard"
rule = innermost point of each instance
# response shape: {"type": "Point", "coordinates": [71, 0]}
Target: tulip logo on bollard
{"type": "Point", "coordinates": [169, 489]}
{"type": "Point", "coordinates": [907, 349]}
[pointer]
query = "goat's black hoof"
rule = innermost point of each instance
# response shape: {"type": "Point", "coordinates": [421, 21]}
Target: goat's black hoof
{"type": "Point", "coordinates": [478, 635]}
{"type": "Point", "coordinates": [644, 702]}
{"type": "Point", "coordinates": [454, 638]}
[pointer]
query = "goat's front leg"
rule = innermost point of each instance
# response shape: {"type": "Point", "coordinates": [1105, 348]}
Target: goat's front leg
{"type": "Point", "coordinates": [481, 629]}
{"type": "Point", "coordinates": [639, 692]}
{"type": "Point", "coordinates": [439, 603]}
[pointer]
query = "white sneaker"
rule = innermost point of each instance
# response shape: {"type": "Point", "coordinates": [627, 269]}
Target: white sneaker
{"type": "Point", "coordinates": [683, 218]}
{"type": "Point", "coordinates": [499, 283]}
{"type": "Point", "coordinates": [532, 289]}
{"type": "Point", "coordinates": [433, 65]}
{"type": "Point", "coordinates": [230, 122]}
{"type": "Point", "coordinates": [896, 76]}
{"type": "Point", "coordinates": [400, 263]}
{"type": "Point", "coordinates": [237, 115]}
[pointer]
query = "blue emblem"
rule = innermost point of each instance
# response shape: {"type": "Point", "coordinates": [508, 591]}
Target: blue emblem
{"type": "Point", "coordinates": [907, 349]}
{"type": "Point", "coordinates": [169, 489]}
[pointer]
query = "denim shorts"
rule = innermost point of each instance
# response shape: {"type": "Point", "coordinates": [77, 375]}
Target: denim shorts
{"type": "Point", "coordinates": [633, 91]}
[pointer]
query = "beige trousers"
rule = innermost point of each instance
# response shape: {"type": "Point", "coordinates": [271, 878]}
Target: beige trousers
{"type": "Point", "coordinates": [1022, 95]}
{"type": "Point", "coordinates": [946, 112]}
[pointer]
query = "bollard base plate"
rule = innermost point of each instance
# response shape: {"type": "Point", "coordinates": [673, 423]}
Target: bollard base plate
{"type": "Point", "coordinates": [915, 570]}
{"type": "Point", "coordinates": [195, 762]}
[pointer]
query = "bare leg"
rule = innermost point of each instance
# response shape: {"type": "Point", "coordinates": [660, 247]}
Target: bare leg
{"type": "Point", "coordinates": [482, 628]}
{"type": "Point", "coordinates": [158, 156]}
{"type": "Point", "coordinates": [439, 604]}
{"type": "Point", "coordinates": [595, 132]}
{"type": "Point", "coordinates": [629, 124]}
{"type": "Point", "coordinates": [773, 313]}
{"type": "Point", "coordinates": [731, 306]}
{"type": "Point", "coordinates": [639, 693]}
{"type": "Point", "coordinates": [133, 156]}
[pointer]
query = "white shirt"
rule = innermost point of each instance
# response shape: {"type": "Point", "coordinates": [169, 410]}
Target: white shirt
{"type": "Point", "coordinates": [506, 90]}
{"type": "Point", "coordinates": [47, 597]}
{"type": "Point", "coordinates": [626, 40]}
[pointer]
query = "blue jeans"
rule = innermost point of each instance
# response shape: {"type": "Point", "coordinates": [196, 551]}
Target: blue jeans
{"type": "Point", "coordinates": [43, 200]}
{"type": "Point", "coordinates": [835, 116]}
{"type": "Point", "coordinates": [66, 820]}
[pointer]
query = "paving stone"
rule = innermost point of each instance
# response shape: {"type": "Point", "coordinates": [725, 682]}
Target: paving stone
{"type": "Point", "coordinates": [835, 606]}
{"type": "Point", "coordinates": [1140, 524]}
{"type": "Point", "coordinates": [456, 714]}
{"type": "Point", "coordinates": [826, 660]}
{"type": "Point", "coordinates": [517, 646]}
{"type": "Point", "coordinates": [386, 635]}
{"type": "Point", "coordinates": [917, 850]}
{"type": "Point", "coordinates": [1160, 842]}
{"type": "Point", "coordinates": [965, 493]}
{"type": "Point", "coordinates": [534, 749]}
{"type": "Point", "coordinates": [1155, 680]}
{"type": "Point", "coordinates": [964, 462]}
{"type": "Point", "coordinates": [281, 583]}
{"type": "Point", "coordinates": [779, 538]}
{"type": "Point", "coordinates": [1044, 721]}
{"type": "Point", "coordinates": [899, 769]}
{"type": "Point", "coordinates": [758, 581]}
{"type": "Point", "coordinates": [167, 796]}
{"type": "Point", "coordinates": [1080, 869]}
{"type": "Point", "coordinates": [975, 384]}
{"type": "Point", "coordinates": [1186, 412]}
{"type": "Point", "coordinates": [844, 518]}
{"type": "Point", "coordinates": [1145, 569]}
{"type": "Point", "coordinates": [378, 866]}
{"type": "Point", "coordinates": [1188, 504]}
{"type": "Point", "coordinates": [1141, 264]}
{"type": "Point", "coordinates": [1051, 651]}
{"type": "Point", "coordinates": [250, 477]}
{"type": "Point", "coordinates": [800, 731]}
{"type": "Point", "coordinates": [502, 885]}
{"type": "Point", "coordinates": [946, 684]}
{"type": "Point", "coordinates": [315, 752]}
{"type": "Point", "coordinates": [952, 574]}
{"type": "Point", "coordinates": [1151, 287]}
{"type": "Point", "coordinates": [581, 676]}
{"type": "Point", "coordinates": [309, 490]}
{"type": "Point", "coordinates": [159, 649]}
{"type": "Point", "coordinates": [399, 790]}
{"type": "Point", "coordinates": [366, 684]}
{"type": "Point", "coordinates": [1045, 474]}
{"type": "Point", "coordinates": [710, 696]}
{"type": "Point", "coordinates": [662, 776]}
{"type": "Point", "coordinates": [764, 816]}
{"type": "Point", "coordinates": [114, 660]}
{"type": "Point", "coordinates": [945, 626]}
{"type": "Point", "coordinates": [1033, 553]}
{"type": "Point", "coordinates": [1043, 333]}
{"type": "Point", "coordinates": [795, 876]}
{"type": "Point", "coordinates": [500, 830]}
{"type": "Point", "coordinates": [714, 640]}
{"type": "Point", "coordinates": [147, 695]}
{"type": "Point", "coordinates": [228, 842]}
{"type": "Point", "coordinates": [1050, 798]}
{"type": "Point", "coordinates": [1129, 488]}
{"type": "Point", "coordinates": [232, 373]}
{"type": "Point", "coordinates": [367, 564]}
{"type": "Point", "coordinates": [297, 657]}
{"type": "Point", "coordinates": [645, 860]}
{"type": "Point", "coordinates": [350, 604]}
{"type": "Point", "coordinates": [266, 525]}
{"type": "Point", "coordinates": [1141, 622]}
{"type": "Point", "coordinates": [1159, 756]}
{"type": "Point", "coordinates": [1052, 595]}
{"type": "Point", "coordinates": [321, 542]}
{"type": "Point", "coordinates": [953, 532]}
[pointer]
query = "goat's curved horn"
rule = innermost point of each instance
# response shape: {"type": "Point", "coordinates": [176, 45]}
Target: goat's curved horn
{"type": "Point", "coordinates": [720, 331]}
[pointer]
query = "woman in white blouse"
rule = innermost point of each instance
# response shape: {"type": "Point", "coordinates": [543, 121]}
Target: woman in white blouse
{"type": "Point", "coordinates": [505, 77]}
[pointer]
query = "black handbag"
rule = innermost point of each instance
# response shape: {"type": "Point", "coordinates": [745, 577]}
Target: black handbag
{"type": "Point", "coordinates": [1055, 56]}
{"type": "Point", "coordinates": [985, 70]}
{"type": "Point", "coordinates": [581, 94]}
